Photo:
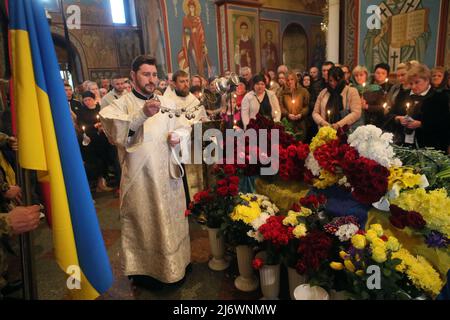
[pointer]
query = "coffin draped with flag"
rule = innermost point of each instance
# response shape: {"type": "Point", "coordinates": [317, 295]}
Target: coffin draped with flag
{"type": "Point", "coordinates": [47, 143]}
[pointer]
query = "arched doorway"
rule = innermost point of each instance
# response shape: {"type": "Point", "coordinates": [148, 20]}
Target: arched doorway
{"type": "Point", "coordinates": [295, 47]}
{"type": "Point", "coordinates": [62, 54]}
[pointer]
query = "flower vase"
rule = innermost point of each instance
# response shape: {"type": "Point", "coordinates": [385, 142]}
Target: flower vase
{"type": "Point", "coordinates": [217, 245]}
{"type": "Point", "coordinates": [306, 292]}
{"type": "Point", "coordinates": [246, 281]}
{"type": "Point", "coordinates": [269, 276]}
{"type": "Point", "coordinates": [295, 279]}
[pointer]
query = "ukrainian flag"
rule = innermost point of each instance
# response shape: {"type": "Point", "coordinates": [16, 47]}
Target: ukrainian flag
{"type": "Point", "coordinates": [48, 143]}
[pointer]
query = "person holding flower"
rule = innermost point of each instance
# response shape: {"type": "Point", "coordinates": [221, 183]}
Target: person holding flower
{"type": "Point", "coordinates": [337, 105]}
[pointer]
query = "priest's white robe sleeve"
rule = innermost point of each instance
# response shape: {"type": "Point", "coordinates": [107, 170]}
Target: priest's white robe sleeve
{"type": "Point", "coordinates": [123, 124]}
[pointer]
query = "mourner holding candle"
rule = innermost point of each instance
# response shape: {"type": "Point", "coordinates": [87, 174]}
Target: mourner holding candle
{"type": "Point", "coordinates": [339, 104]}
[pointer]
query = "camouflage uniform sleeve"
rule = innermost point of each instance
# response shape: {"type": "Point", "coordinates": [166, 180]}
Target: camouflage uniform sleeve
{"type": "Point", "coordinates": [5, 228]}
{"type": "Point", "coordinates": [3, 139]}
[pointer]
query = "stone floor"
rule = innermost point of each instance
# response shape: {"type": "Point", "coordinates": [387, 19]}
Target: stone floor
{"type": "Point", "coordinates": [201, 284]}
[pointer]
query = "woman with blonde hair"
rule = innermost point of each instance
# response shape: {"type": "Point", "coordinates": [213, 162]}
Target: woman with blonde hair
{"type": "Point", "coordinates": [396, 103]}
{"type": "Point", "coordinates": [92, 86]}
{"type": "Point", "coordinates": [427, 120]}
{"type": "Point", "coordinates": [294, 103]}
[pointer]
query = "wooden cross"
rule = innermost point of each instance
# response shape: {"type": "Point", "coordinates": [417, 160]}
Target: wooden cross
{"type": "Point", "coordinates": [394, 62]}
{"type": "Point", "coordinates": [383, 12]}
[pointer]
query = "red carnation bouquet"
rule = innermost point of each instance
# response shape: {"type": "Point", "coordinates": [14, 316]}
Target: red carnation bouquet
{"type": "Point", "coordinates": [211, 206]}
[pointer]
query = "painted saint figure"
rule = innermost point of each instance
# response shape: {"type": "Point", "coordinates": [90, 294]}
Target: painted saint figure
{"type": "Point", "coordinates": [245, 51]}
{"type": "Point", "coordinates": [269, 53]}
{"type": "Point", "coordinates": [377, 45]}
{"type": "Point", "coordinates": [194, 53]}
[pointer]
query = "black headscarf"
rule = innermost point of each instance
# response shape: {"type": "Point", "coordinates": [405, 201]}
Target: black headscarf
{"type": "Point", "coordinates": [335, 104]}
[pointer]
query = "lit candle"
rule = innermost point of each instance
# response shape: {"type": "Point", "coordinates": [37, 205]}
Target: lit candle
{"type": "Point", "coordinates": [235, 122]}
{"type": "Point", "coordinates": [200, 94]}
{"type": "Point", "coordinates": [407, 106]}
{"type": "Point", "coordinates": [387, 79]}
{"type": "Point", "coordinates": [293, 101]}
{"type": "Point", "coordinates": [271, 83]}
{"type": "Point", "coordinates": [84, 128]}
{"type": "Point", "coordinates": [98, 117]}
{"type": "Point", "coordinates": [364, 85]}
{"type": "Point", "coordinates": [385, 105]}
{"type": "Point", "coordinates": [329, 113]}
{"type": "Point", "coordinates": [235, 95]}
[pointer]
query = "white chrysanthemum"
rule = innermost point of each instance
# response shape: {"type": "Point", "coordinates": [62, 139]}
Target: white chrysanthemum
{"type": "Point", "coordinates": [312, 164]}
{"type": "Point", "coordinates": [346, 231]}
{"type": "Point", "coordinates": [372, 143]}
{"type": "Point", "coordinates": [258, 222]}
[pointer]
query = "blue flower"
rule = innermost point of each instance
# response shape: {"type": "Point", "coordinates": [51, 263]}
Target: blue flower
{"type": "Point", "coordinates": [436, 239]}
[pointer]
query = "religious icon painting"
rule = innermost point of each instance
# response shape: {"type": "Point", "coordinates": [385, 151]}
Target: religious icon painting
{"type": "Point", "coordinates": [243, 40]}
{"type": "Point", "coordinates": [270, 44]}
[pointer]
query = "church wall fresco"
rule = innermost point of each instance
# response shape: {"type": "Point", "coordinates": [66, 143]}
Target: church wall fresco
{"type": "Point", "coordinates": [409, 30]}
{"type": "Point", "coordinates": [192, 30]}
{"type": "Point", "coordinates": [103, 48]}
{"type": "Point", "coordinates": [315, 49]}
{"type": "Point", "coordinates": [305, 6]}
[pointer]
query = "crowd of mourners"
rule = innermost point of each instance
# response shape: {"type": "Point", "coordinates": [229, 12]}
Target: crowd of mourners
{"type": "Point", "coordinates": [412, 102]}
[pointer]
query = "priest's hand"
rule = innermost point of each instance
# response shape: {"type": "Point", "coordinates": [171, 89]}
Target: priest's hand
{"type": "Point", "coordinates": [151, 107]}
{"type": "Point", "coordinates": [173, 139]}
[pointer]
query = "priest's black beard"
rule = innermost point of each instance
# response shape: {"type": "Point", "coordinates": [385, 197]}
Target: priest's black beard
{"type": "Point", "coordinates": [181, 93]}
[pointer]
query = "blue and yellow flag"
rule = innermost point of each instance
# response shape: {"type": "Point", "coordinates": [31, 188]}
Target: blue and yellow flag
{"type": "Point", "coordinates": [47, 142]}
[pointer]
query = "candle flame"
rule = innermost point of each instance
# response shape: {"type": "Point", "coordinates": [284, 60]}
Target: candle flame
{"type": "Point", "coordinates": [385, 105]}
{"type": "Point", "coordinates": [83, 127]}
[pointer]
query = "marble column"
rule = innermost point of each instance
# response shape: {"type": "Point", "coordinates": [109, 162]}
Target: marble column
{"type": "Point", "coordinates": [333, 31]}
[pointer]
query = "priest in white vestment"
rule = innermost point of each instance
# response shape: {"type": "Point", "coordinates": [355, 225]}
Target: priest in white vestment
{"type": "Point", "coordinates": [118, 90]}
{"type": "Point", "coordinates": [183, 98]}
{"type": "Point", "coordinates": [155, 232]}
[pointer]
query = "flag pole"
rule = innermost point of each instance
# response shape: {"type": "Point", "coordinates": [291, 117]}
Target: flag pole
{"type": "Point", "coordinates": [26, 246]}
{"type": "Point", "coordinates": [23, 176]}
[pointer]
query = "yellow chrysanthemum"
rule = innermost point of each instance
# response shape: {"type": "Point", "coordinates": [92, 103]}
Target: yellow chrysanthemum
{"type": "Point", "coordinates": [371, 235]}
{"type": "Point", "coordinates": [378, 243]}
{"type": "Point", "coordinates": [336, 266]}
{"type": "Point", "coordinates": [325, 135]}
{"type": "Point", "coordinates": [404, 178]}
{"type": "Point", "coordinates": [246, 213]}
{"type": "Point", "coordinates": [433, 206]}
{"type": "Point", "coordinates": [359, 241]}
{"type": "Point", "coordinates": [377, 228]}
{"type": "Point", "coordinates": [306, 212]}
{"type": "Point", "coordinates": [291, 219]}
{"type": "Point", "coordinates": [393, 244]}
{"type": "Point", "coordinates": [419, 271]}
{"type": "Point", "coordinates": [379, 254]}
{"type": "Point", "coordinates": [349, 265]}
{"type": "Point", "coordinates": [325, 180]}
{"type": "Point", "coordinates": [300, 231]}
